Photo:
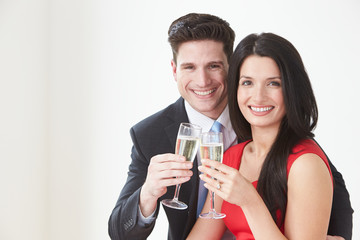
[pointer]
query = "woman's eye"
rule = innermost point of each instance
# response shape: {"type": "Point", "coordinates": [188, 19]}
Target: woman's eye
{"type": "Point", "coordinates": [246, 83]}
{"type": "Point", "coordinates": [275, 84]}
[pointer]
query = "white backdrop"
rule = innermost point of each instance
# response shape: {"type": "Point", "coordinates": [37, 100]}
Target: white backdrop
{"type": "Point", "coordinates": [76, 75]}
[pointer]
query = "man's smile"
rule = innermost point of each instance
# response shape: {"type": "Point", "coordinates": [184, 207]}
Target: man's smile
{"type": "Point", "coordinates": [204, 93]}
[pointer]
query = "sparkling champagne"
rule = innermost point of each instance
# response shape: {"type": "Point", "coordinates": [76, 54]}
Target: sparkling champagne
{"type": "Point", "coordinates": [187, 147]}
{"type": "Point", "coordinates": [212, 151]}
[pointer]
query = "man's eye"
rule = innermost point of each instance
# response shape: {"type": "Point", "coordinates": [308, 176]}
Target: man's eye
{"type": "Point", "coordinates": [189, 67]}
{"type": "Point", "coordinates": [212, 66]}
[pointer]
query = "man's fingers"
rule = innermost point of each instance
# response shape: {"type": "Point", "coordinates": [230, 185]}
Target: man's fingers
{"type": "Point", "coordinates": [169, 161]}
{"type": "Point", "coordinates": [174, 173]}
{"type": "Point", "coordinates": [166, 170]}
{"type": "Point", "coordinates": [168, 157]}
{"type": "Point", "coordinates": [174, 181]}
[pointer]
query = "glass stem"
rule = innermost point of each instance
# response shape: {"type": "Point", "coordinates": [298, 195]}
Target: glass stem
{"type": "Point", "coordinates": [177, 190]}
{"type": "Point", "coordinates": [212, 209]}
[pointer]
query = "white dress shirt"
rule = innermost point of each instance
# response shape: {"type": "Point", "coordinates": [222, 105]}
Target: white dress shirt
{"type": "Point", "coordinates": [206, 123]}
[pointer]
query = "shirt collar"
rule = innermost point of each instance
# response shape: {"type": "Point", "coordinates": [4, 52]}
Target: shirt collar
{"type": "Point", "coordinates": [205, 122]}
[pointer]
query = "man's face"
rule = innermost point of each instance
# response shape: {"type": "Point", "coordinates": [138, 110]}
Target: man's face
{"type": "Point", "coordinates": [200, 73]}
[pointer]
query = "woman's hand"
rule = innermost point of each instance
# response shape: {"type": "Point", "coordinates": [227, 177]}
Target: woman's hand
{"type": "Point", "coordinates": [328, 237]}
{"type": "Point", "coordinates": [226, 182]}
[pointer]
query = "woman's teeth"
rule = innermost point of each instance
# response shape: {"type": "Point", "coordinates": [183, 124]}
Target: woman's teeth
{"type": "Point", "coordinates": [264, 109]}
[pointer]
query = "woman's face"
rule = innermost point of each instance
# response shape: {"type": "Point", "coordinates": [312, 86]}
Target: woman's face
{"type": "Point", "coordinates": [259, 93]}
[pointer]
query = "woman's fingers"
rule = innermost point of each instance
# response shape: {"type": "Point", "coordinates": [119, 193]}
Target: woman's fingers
{"type": "Point", "coordinates": [211, 163]}
{"type": "Point", "coordinates": [224, 181]}
{"type": "Point", "coordinates": [214, 169]}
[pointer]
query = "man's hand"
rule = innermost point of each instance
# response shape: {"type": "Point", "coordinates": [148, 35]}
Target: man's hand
{"type": "Point", "coordinates": [328, 237]}
{"type": "Point", "coordinates": [164, 170]}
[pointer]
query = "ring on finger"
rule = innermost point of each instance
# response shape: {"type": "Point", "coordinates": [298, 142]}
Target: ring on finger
{"type": "Point", "coordinates": [218, 186]}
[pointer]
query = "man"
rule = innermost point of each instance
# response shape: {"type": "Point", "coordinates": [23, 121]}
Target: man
{"type": "Point", "coordinates": [202, 45]}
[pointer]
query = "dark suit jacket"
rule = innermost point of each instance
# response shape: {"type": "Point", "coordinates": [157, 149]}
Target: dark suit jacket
{"type": "Point", "coordinates": [157, 135]}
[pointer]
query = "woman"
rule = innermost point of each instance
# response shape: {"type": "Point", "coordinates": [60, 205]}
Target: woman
{"type": "Point", "coordinates": [277, 183]}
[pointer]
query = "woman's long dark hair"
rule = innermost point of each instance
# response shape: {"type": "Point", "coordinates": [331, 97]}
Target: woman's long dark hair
{"type": "Point", "coordinates": [298, 123]}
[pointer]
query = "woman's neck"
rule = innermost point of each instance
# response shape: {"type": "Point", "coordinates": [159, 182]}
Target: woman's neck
{"type": "Point", "coordinates": [263, 139]}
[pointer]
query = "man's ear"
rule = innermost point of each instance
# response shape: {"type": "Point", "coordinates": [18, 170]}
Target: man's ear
{"type": "Point", "coordinates": [173, 65]}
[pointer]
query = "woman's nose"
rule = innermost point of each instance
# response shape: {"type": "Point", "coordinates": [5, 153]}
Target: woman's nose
{"type": "Point", "coordinates": [259, 93]}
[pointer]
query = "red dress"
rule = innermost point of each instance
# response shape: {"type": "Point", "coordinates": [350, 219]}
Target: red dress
{"type": "Point", "coordinates": [235, 219]}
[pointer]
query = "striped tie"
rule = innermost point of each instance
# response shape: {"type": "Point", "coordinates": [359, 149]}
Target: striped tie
{"type": "Point", "coordinates": [216, 127]}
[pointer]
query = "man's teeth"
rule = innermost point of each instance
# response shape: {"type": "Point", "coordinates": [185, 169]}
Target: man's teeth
{"type": "Point", "coordinates": [264, 109]}
{"type": "Point", "coordinates": [204, 93]}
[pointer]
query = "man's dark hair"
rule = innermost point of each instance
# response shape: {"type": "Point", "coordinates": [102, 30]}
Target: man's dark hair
{"type": "Point", "coordinates": [195, 26]}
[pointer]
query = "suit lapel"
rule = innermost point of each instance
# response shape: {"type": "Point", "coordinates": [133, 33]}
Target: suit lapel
{"type": "Point", "coordinates": [177, 115]}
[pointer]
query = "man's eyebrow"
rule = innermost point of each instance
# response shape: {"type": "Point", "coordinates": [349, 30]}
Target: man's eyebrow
{"type": "Point", "coordinates": [186, 64]}
{"type": "Point", "coordinates": [217, 62]}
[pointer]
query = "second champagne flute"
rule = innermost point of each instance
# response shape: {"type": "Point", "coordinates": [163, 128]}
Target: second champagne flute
{"type": "Point", "coordinates": [211, 147]}
{"type": "Point", "coordinates": [187, 144]}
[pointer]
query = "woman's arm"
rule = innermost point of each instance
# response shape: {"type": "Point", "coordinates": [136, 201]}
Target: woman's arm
{"type": "Point", "coordinates": [309, 199]}
{"type": "Point", "coordinates": [310, 192]}
{"type": "Point", "coordinates": [341, 218]}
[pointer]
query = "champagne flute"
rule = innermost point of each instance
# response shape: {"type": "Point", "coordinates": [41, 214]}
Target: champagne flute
{"type": "Point", "coordinates": [187, 144]}
{"type": "Point", "coordinates": [211, 147]}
